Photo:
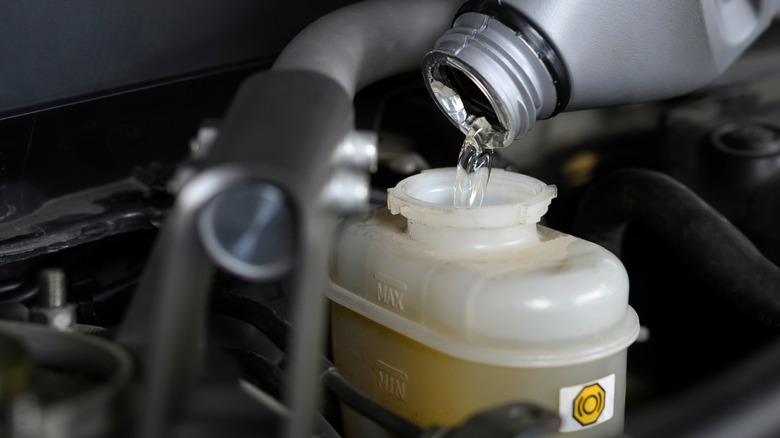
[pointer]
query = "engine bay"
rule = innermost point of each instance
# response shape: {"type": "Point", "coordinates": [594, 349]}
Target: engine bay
{"type": "Point", "coordinates": [115, 321]}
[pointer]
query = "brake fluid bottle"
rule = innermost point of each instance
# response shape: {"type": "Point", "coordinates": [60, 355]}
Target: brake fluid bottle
{"type": "Point", "coordinates": [440, 312]}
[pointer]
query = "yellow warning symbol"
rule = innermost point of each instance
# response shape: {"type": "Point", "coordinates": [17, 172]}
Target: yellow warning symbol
{"type": "Point", "coordinates": [589, 404]}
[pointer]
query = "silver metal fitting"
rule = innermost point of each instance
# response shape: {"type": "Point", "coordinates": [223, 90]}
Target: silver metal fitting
{"type": "Point", "coordinates": [200, 145]}
{"type": "Point", "coordinates": [358, 151]}
{"type": "Point", "coordinates": [59, 318]}
{"type": "Point", "coordinates": [52, 308]}
{"type": "Point", "coordinates": [203, 141]}
{"type": "Point", "coordinates": [52, 291]}
{"type": "Point", "coordinates": [248, 230]}
{"type": "Point", "coordinates": [348, 191]}
{"type": "Point", "coordinates": [349, 187]}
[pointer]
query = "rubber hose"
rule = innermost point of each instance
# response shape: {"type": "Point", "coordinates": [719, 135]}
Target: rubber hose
{"type": "Point", "coordinates": [741, 401]}
{"type": "Point", "coordinates": [257, 314]}
{"type": "Point", "coordinates": [712, 247]}
{"type": "Point", "coordinates": [260, 371]}
{"type": "Point", "coordinates": [277, 330]}
{"type": "Point", "coordinates": [389, 420]}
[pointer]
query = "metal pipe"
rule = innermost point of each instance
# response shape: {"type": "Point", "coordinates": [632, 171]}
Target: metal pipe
{"type": "Point", "coordinates": [368, 41]}
{"type": "Point", "coordinates": [353, 46]}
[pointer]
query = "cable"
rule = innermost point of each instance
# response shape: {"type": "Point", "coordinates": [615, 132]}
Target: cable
{"type": "Point", "coordinates": [17, 291]}
{"type": "Point", "coordinates": [256, 314]}
{"type": "Point", "coordinates": [278, 330]}
{"type": "Point", "coordinates": [260, 371]}
{"type": "Point", "coordinates": [713, 248]}
{"type": "Point", "coordinates": [363, 405]}
{"type": "Point", "coordinates": [268, 378]}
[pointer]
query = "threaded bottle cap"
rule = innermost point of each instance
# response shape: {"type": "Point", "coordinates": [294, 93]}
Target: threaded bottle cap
{"type": "Point", "coordinates": [481, 68]}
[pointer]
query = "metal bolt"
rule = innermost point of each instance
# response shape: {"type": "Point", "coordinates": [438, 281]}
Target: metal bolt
{"type": "Point", "coordinates": [52, 292]}
{"type": "Point", "coordinates": [52, 307]}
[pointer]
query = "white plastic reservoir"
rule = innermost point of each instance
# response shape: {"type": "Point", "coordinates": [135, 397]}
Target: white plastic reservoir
{"type": "Point", "coordinates": [441, 312]}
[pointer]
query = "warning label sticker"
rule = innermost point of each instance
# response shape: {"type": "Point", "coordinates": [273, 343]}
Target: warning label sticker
{"type": "Point", "coordinates": [586, 405]}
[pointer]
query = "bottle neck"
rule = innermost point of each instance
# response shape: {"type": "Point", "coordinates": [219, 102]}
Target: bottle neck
{"type": "Point", "coordinates": [474, 239]}
{"type": "Point", "coordinates": [481, 68]}
{"type": "Point", "coordinates": [513, 205]}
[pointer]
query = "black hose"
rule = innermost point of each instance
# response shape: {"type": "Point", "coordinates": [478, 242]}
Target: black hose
{"type": "Point", "coordinates": [367, 407]}
{"type": "Point", "coordinates": [18, 291]}
{"type": "Point", "coordinates": [742, 401]}
{"type": "Point", "coordinates": [712, 247]}
{"type": "Point", "coordinates": [278, 330]}
{"type": "Point", "coordinates": [256, 314]}
{"type": "Point", "coordinates": [268, 377]}
{"type": "Point", "coordinates": [260, 371]}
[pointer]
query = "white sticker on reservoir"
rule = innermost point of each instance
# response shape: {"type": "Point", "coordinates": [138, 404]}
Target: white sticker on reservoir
{"type": "Point", "coordinates": [586, 405]}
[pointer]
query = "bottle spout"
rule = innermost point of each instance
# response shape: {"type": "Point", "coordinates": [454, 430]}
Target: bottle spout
{"type": "Point", "coordinates": [483, 68]}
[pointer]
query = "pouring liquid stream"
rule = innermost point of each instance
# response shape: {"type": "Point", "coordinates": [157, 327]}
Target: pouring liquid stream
{"type": "Point", "coordinates": [474, 163]}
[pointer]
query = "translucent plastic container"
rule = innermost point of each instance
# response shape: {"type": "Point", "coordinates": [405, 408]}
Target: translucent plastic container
{"type": "Point", "coordinates": [441, 312]}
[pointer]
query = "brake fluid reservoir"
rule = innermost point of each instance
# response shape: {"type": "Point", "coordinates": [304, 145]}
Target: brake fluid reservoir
{"type": "Point", "coordinates": [441, 312]}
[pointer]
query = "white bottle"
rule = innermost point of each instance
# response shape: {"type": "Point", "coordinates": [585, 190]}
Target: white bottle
{"type": "Point", "coordinates": [441, 312]}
